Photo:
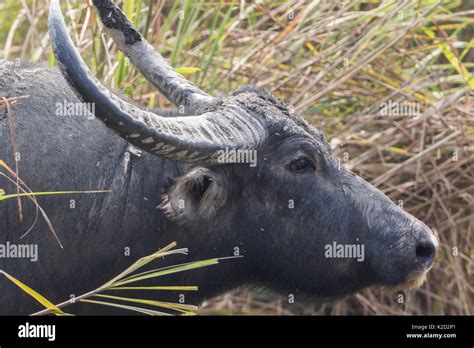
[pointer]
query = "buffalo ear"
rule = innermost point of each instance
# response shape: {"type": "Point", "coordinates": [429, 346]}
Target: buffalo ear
{"type": "Point", "coordinates": [196, 196]}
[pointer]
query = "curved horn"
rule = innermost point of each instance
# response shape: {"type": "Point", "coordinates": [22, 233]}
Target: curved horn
{"type": "Point", "coordinates": [148, 61]}
{"type": "Point", "coordinates": [187, 139]}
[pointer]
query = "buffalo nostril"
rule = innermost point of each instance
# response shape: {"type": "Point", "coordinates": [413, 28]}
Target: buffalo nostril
{"type": "Point", "coordinates": [425, 252]}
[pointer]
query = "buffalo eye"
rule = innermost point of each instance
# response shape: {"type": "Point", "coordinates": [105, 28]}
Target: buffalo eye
{"type": "Point", "coordinates": [301, 165]}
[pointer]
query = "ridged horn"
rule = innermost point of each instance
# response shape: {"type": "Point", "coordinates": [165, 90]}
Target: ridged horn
{"type": "Point", "coordinates": [148, 61]}
{"type": "Point", "coordinates": [188, 139]}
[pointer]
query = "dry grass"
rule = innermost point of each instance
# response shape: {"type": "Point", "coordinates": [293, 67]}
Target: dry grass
{"type": "Point", "coordinates": [336, 63]}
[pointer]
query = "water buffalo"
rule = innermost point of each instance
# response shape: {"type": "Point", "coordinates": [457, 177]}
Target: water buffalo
{"type": "Point", "coordinates": [303, 224]}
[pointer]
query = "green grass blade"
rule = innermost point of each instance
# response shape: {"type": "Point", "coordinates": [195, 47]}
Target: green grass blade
{"type": "Point", "coordinates": [33, 194]}
{"type": "Point", "coordinates": [144, 261]}
{"type": "Point", "coordinates": [129, 308]}
{"type": "Point", "coordinates": [166, 288]}
{"type": "Point", "coordinates": [38, 297]}
{"type": "Point", "coordinates": [172, 270]}
{"type": "Point", "coordinates": [178, 307]}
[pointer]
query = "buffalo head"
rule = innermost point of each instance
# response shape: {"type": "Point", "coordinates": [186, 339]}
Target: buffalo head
{"type": "Point", "coordinates": [257, 176]}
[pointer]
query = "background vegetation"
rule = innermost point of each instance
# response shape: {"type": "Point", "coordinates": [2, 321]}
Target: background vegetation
{"type": "Point", "coordinates": [336, 63]}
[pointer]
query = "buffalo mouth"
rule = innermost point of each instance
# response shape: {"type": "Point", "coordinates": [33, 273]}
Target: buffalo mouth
{"type": "Point", "coordinates": [413, 280]}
